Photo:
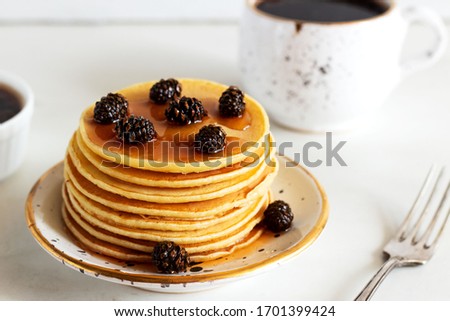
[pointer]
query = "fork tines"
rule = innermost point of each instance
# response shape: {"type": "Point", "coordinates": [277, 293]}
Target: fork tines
{"type": "Point", "coordinates": [431, 204]}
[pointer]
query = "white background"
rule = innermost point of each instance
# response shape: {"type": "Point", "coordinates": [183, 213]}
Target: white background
{"type": "Point", "coordinates": [141, 10]}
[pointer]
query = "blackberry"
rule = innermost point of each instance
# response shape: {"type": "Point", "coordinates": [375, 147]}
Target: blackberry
{"type": "Point", "coordinates": [135, 129]}
{"type": "Point", "coordinates": [185, 111]}
{"type": "Point", "coordinates": [110, 108]}
{"type": "Point", "coordinates": [210, 139]}
{"type": "Point", "coordinates": [165, 90]}
{"type": "Point", "coordinates": [231, 103]}
{"type": "Point", "coordinates": [278, 216]}
{"type": "Point", "coordinates": [170, 258]}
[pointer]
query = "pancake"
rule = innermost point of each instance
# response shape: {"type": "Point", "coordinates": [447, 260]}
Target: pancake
{"type": "Point", "coordinates": [161, 194]}
{"type": "Point", "coordinates": [201, 209]}
{"type": "Point", "coordinates": [120, 218]}
{"type": "Point", "coordinates": [173, 180]}
{"type": "Point", "coordinates": [129, 255]}
{"type": "Point", "coordinates": [121, 199]}
{"type": "Point", "coordinates": [196, 235]}
{"type": "Point", "coordinates": [186, 239]}
{"type": "Point", "coordinates": [169, 153]}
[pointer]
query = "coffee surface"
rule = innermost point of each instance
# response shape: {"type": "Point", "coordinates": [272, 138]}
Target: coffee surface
{"type": "Point", "coordinates": [323, 10]}
{"type": "Point", "coordinates": [10, 104]}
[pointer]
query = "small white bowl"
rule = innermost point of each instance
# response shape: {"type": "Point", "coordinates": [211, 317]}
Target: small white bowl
{"type": "Point", "coordinates": [14, 131]}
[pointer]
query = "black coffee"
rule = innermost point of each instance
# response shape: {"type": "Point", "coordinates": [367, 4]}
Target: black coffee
{"type": "Point", "coordinates": [10, 103]}
{"type": "Point", "coordinates": [323, 10]}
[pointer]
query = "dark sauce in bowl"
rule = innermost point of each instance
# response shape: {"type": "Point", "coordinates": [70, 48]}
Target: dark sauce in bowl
{"type": "Point", "coordinates": [10, 103]}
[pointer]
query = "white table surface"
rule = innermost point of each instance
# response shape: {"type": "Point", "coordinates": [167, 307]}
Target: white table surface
{"type": "Point", "coordinates": [69, 67]}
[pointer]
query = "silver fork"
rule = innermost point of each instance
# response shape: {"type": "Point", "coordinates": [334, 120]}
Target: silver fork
{"type": "Point", "coordinates": [410, 246]}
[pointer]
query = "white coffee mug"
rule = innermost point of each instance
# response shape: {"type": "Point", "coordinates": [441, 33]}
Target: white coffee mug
{"type": "Point", "coordinates": [329, 76]}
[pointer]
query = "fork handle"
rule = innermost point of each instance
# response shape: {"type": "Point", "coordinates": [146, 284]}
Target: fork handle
{"type": "Point", "coordinates": [375, 282]}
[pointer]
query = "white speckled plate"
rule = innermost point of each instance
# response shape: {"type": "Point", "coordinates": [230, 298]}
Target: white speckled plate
{"type": "Point", "coordinates": [293, 185]}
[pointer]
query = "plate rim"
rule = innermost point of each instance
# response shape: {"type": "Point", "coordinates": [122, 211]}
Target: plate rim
{"type": "Point", "coordinates": [93, 269]}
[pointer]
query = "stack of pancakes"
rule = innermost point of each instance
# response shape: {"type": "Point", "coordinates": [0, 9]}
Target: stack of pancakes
{"type": "Point", "coordinates": [121, 199]}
